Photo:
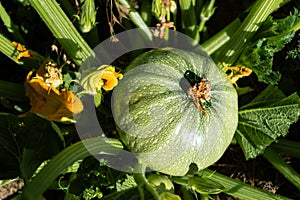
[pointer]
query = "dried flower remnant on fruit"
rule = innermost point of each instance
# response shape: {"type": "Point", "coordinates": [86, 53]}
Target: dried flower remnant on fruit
{"type": "Point", "coordinates": [46, 100]}
{"type": "Point", "coordinates": [200, 93]}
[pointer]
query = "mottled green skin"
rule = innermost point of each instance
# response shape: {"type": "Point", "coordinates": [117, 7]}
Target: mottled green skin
{"type": "Point", "coordinates": [161, 124]}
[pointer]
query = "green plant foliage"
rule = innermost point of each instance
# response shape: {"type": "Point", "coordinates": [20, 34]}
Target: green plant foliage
{"type": "Point", "coordinates": [24, 143]}
{"type": "Point", "coordinates": [69, 78]}
{"type": "Point", "coordinates": [294, 53]}
{"type": "Point", "coordinates": [49, 157]}
{"type": "Point", "coordinates": [95, 179]}
{"type": "Point", "coordinates": [161, 183]}
{"type": "Point", "coordinates": [126, 183]}
{"type": "Point", "coordinates": [87, 20]}
{"type": "Point", "coordinates": [130, 194]}
{"type": "Point", "coordinates": [169, 196]}
{"type": "Point", "coordinates": [62, 28]}
{"type": "Point", "coordinates": [204, 185]}
{"type": "Point", "coordinates": [271, 37]}
{"type": "Point", "coordinates": [265, 119]}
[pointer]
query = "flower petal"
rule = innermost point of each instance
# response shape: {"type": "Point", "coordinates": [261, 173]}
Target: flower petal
{"type": "Point", "coordinates": [110, 80]}
{"type": "Point", "coordinates": [50, 102]}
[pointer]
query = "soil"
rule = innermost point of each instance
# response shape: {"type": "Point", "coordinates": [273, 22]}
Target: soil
{"type": "Point", "coordinates": [11, 188]}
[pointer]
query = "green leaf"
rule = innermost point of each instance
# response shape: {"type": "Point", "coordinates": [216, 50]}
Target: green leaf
{"type": "Point", "coordinates": [128, 183]}
{"type": "Point", "coordinates": [11, 27]}
{"type": "Point", "coordinates": [58, 164]}
{"type": "Point", "coordinates": [10, 151]}
{"type": "Point", "coordinates": [63, 30]}
{"type": "Point", "coordinates": [169, 196]}
{"type": "Point", "coordinates": [294, 53]}
{"type": "Point", "coordinates": [265, 119]}
{"type": "Point", "coordinates": [160, 183]}
{"type": "Point", "coordinates": [244, 90]}
{"type": "Point", "coordinates": [24, 143]}
{"type": "Point", "coordinates": [245, 32]}
{"type": "Point", "coordinates": [12, 91]}
{"type": "Point", "coordinates": [40, 142]}
{"type": "Point", "coordinates": [130, 194]}
{"type": "Point", "coordinates": [97, 99]}
{"type": "Point", "coordinates": [271, 37]}
{"type": "Point", "coordinates": [238, 189]}
{"type": "Point", "coordinates": [204, 185]}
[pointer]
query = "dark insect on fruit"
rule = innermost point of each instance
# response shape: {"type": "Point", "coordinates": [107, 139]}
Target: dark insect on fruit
{"type": "Point", "coordinates": [199, 92]}
{"type": "Point", "coordinates": [192, 77]}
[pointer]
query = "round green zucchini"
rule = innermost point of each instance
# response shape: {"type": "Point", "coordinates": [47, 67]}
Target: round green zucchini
{"type": "Point", "coordinates": [170, 119]}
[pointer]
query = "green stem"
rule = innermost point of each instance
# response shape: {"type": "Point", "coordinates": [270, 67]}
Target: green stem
{"type": "Point", "coordinates": [206, 13]}
{"type": "Point", "coordinates": [61, 161]}
{"type": "Point", "coordinates": [188, 19]}
{"type": "Point", "coordinates": [218, 40]}
{"type": "Point", "coordinates": [296, 26]}
{"type": "Point", "coordinates": [205, 197]}
{"type": "Point", "coordinates": [222, 37]}
{"type": "Point", "coordinates": [142, 181]}
{"type": "Point", "coordinates": [239, 189]}
{"type": "Point", "coordinates": [62, 28]}
{"type": "Point", "coordinates": [287, 147]}
{"type": "Point", "coordinates": [259, 12]}
{"type": "Point", "coordinates": [282, 167]}
{"type": "Point", "coordinates": [146, 14]}
{"type": "Point", "coordinates": [8, 49]}
{"type": "Point", "coordinates": [136, 18]}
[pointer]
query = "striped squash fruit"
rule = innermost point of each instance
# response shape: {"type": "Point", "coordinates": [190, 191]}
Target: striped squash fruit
{"type": "Point", "coordinates": [173, 108]}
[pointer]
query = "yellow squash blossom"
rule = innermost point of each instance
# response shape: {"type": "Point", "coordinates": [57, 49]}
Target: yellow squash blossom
{"type": "Point", "coordinates": [49, 102]}
{"type": "Point", "coordinates": [104, 77]}
{"type": "Point", "coordinates": [40, 87]}
{"type": "Point", "coordinates": [109, 78]}
{"type": "Point", "coordinates": [23, 52]}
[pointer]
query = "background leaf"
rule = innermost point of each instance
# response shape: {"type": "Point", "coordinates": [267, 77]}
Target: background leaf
{"type": "Point", "coordinates": [25, 142]}
{"type": "Point", "coordinates": [272, 36]}
{"type": "Point", "coordinates": [264, 119]}
{"type": "Point", "coordinates": [10, 151]}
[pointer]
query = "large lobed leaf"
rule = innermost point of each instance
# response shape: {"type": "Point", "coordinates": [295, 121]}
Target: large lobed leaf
{"type": "Point", "coordinates": [264, 119]}
{"type": "Point", "coordinates": [272, 37]}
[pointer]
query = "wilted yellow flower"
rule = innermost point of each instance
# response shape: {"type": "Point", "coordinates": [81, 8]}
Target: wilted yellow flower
{"type": "Point", "coordinates": [49, 102]}
{"type": "Point", "coordinates": [19, 46]}
{"type": "Point", "coordinates": [237, 72]}
{"type": "Point", "coordinates": [24, 53]}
